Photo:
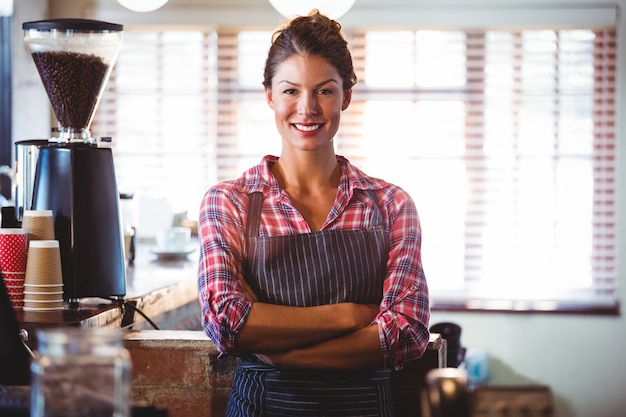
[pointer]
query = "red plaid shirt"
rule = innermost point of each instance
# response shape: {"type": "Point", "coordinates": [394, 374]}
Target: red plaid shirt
{"type": "Point", "coordinates": [404, 310]}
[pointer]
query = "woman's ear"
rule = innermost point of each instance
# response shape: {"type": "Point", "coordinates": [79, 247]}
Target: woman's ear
{"type": "Point", "coordinates": [268, 97]}
{"type": "Point", "coordinates": [347, 98]}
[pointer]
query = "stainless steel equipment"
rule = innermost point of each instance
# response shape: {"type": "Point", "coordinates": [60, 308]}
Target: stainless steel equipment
{"type": "Point", "coordinates": [73, 173]}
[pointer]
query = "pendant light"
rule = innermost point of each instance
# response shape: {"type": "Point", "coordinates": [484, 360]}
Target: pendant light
{"type": "Point", "coordinates": [331, 8]}
{"type": "Point", "coordinates": [142, 5]}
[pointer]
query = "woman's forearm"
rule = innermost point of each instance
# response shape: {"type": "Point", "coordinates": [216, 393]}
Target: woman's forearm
{"type": "Point", "coordinates": [356, 350]}
{"type": "Point", "coordinates": [273, 328]}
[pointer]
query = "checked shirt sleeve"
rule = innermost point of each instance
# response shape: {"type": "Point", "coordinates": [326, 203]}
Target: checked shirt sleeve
{"type": "Point", "coordinates": [220, 230]}
{"type": "Point", "coordinates": [405, 309]}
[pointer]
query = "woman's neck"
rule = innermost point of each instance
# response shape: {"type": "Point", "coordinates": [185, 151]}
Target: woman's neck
{"type": "Point", "coordinates": [312, 188]}
{"type": "Point", "coordinates": [307, 176]}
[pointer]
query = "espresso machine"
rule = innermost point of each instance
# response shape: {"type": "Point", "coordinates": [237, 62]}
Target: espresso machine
{"type": "Point", "coordinates": [72, 173]}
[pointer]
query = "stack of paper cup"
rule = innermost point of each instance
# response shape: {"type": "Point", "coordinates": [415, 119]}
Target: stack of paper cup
{"type": "Point", "coordinates": [39, 224]}
{"type": "Point", "coordinates": [43, 284]}
{"type": "Point", "coordinates": [13, 251]}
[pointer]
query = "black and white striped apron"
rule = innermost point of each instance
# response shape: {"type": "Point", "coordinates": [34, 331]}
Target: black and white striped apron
{"type": "Point", "coordinates": [325, 267]}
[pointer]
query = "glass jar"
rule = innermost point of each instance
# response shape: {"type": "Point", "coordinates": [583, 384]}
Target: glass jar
{"type": "Point", "coordinates": [81, 373]}
{"type": "Point", "coordinates": [74, 58]}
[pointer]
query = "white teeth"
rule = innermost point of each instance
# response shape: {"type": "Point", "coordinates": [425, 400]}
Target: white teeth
{"type": "Point", "coordinates": [307, 128]}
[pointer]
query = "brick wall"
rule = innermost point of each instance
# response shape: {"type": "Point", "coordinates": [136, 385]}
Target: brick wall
{"type": "Point", "coordinates": [179, 371]}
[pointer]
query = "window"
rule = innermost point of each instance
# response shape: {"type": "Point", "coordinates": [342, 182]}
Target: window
{"type": "Point", "coordinates": [505, 139]}
{"type": "Point", "coordinates": [507, 146]}
{"type": "Point", "coordinates": [160, 111]}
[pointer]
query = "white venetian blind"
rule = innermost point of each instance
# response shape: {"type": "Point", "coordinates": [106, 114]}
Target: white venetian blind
{"type": "Point", "coordinates": [505, 139]}
{"type": "Point", "coordinates": [160, 109]}
{"type": "Point", "coordinates": [246, 129]}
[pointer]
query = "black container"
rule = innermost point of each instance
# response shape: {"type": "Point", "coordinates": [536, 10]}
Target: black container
{"type": "Point", "coordinates": [74, 175]}
{"type": "Point", "coordinates": [77, 182]}
{"type": "Point", "coordinates": [452, 333]}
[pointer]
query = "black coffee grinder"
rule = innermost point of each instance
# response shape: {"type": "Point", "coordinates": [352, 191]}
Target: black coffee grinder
{"type": "Point", "coordinates": [73, 173]}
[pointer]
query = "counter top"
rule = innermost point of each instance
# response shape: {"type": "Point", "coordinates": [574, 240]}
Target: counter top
{"type": "Point", "coordinates": [154, 285]}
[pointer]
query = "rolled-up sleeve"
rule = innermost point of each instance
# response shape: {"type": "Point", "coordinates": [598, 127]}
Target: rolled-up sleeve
{"type": "Point", "coordinates": [224, 307]}
{"type": "Point", "coordinates": [405, 309]}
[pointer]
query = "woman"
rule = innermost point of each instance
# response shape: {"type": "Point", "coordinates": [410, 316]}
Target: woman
{"type": "Point", "coordinates": [310, 270]}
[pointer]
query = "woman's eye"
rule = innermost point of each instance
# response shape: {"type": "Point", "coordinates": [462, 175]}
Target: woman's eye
{"type": "Point", "coordinates": [325, 91]}
{"type": "Point", "coordinates": [289, 92]}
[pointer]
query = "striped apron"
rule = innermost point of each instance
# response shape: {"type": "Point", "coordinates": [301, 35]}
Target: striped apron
{"type": "Point", "coordinates": [325, 267]}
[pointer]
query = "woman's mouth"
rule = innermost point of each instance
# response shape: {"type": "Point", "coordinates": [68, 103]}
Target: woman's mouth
{"type": "Point", "coordinates": [307, 128]}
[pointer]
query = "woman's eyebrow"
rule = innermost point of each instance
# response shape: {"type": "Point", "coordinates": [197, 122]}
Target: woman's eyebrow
{"type": "Point", "coordinates": [330, 80]}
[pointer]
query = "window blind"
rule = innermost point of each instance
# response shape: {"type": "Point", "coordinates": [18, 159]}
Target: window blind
{"type": "Point", "coordinates": [504, 138]}
{"type": "Point", "coordinates": [160, 110]}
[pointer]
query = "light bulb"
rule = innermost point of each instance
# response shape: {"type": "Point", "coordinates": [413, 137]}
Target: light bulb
{"type": "Point", "coordinates": [142, 5]}
{"type": "Point", "coordinates": [331, 8]}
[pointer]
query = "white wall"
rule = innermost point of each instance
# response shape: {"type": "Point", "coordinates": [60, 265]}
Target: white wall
{"type": "Point", "coordinates": [582, 358]}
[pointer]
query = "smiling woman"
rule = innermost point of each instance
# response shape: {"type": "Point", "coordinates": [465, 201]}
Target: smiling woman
{"type": "Point", "coordinates": [310, 270]}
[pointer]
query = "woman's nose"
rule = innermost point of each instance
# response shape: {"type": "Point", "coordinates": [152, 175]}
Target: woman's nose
{"type": "Point", "coordinates": [308, 105]}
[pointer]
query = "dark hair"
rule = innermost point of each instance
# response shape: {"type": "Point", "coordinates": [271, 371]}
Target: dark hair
{"type": "Point", "coordinates": [314, 34]}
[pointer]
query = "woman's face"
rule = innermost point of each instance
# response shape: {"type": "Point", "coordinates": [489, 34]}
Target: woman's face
{"type": "Point", "coordinates": [307, 97]}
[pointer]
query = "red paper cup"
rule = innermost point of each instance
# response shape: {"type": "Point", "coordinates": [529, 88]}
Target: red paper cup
{"type": "Point", "coordinates": [15, 289]}
{"type": "Point", "coordinates": [17, 296]}
{"type": "Point", "coordinates": [13, 250]}
{"type": "Point", "coordinates": [13, 280]}
{"type": "Point", "coordinates": [13, 275]}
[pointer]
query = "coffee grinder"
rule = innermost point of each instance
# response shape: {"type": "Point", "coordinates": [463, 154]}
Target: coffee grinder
{"type": "Point", "coordinates": [73, 173]}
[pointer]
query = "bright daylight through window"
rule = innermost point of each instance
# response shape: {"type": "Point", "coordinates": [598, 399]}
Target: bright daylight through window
{"type": "Point", "coordinates": [505, 140]}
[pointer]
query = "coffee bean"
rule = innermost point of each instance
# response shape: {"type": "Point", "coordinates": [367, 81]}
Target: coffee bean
{"type": "Point", "coordinates": [73, 82]}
